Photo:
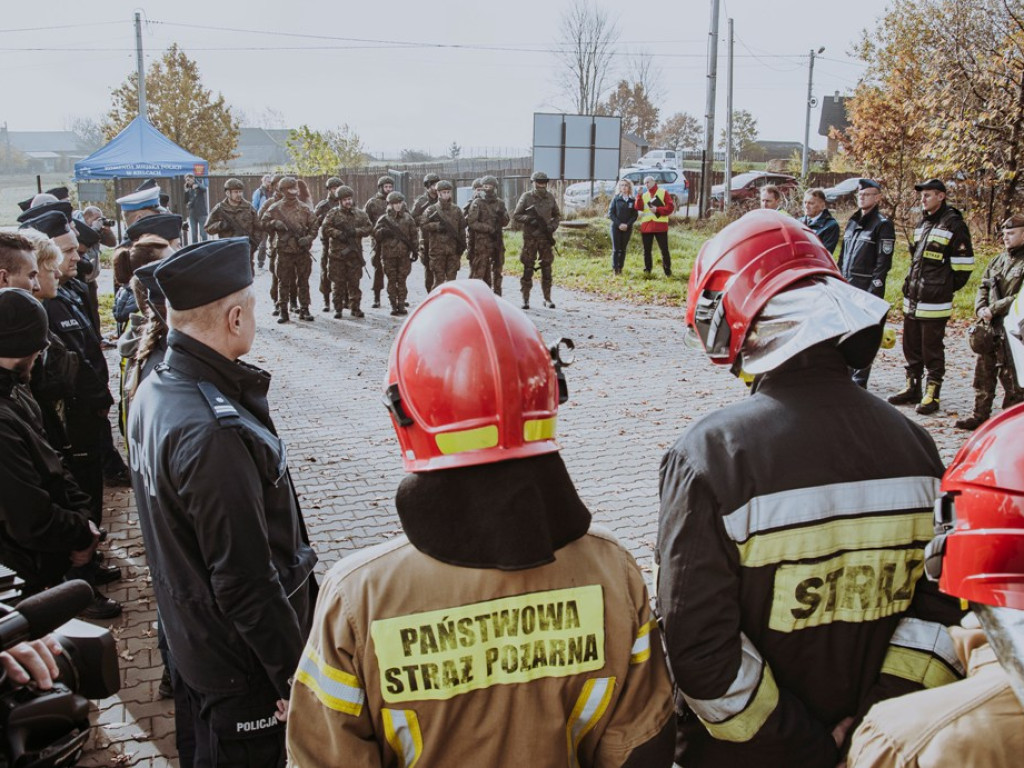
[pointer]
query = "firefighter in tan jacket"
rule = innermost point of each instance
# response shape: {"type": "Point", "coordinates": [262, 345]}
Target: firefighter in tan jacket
{"type": "Point", "coordinates": [501, 629]}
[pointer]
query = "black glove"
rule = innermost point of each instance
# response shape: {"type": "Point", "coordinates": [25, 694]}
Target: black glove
{"type": "Point", "coordinates": [413, 256]}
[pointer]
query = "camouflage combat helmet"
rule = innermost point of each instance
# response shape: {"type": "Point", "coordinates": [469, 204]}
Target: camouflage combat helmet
{"type": "Point", "coordinates": [233, 184]}
{"type": "Point", "coordinates": [540, 176]}
{"type": "Point", "coordinates": [395, 197]}
{"type": "Point", "coordinates": [276, 179]}
{"type": "Point", "coordinates": [444, 184]}
{"type": "Point", "coordinates": [333, 182]}
{"type": "Point", "coordinates": [287, 182]}
{"type": "Point", "coordinates": [430, 178]}
{"type": "Point", "coordinates": [477, 183]}
{"type": "Point", "coordinates": [344, 191]}
{"type": "Point", "coordinates": [489, 181]}
{"type": "Point", "coordinates": [385, 180]}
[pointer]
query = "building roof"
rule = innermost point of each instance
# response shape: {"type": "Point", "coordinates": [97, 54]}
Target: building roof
{"type": "Point", "coordinates": [45, 141]}
{"type": "Point", "coordinates": [833, 114]}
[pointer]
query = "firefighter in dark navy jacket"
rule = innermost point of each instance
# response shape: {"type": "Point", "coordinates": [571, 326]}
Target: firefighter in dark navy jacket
{"type": "Point", "coordinates": [228, 550]}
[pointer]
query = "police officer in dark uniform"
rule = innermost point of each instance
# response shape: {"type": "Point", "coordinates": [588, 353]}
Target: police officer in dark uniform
{"type": "Point", "coordinates": [866, 255]}
{"type": "Point", "coordinates": [228, 550]}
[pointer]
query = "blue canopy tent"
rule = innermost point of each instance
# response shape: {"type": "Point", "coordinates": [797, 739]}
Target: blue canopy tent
{"type": "Point", "coordinates": [139, 151]}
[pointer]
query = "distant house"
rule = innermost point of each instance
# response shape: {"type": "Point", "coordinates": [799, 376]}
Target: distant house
{"type": "Point", "coordinates": [261, 149]}
{"type": "Point", "coordinates": [631, 149]}
{"type": "Point", "coordinates": [833, 115]}
{"type": "Point", "coordinates": [47, 151]}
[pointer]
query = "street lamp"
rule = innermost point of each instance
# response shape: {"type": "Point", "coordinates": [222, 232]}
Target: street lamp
{"type": "Point", "coordinates": [811, 103]}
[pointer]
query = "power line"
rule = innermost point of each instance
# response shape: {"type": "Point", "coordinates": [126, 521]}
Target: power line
{"type": "Point", "coordinates": [65, 26]}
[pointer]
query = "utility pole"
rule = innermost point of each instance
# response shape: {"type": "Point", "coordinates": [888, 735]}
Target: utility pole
{"type": "Point", "coordinates": [709, 114]}
{"type": "Point", "coordinates": [811, 103]}
{"type": "Point", "coordinates": [727, 191]}
{"type": "Point", "coordinates": [140, 66]}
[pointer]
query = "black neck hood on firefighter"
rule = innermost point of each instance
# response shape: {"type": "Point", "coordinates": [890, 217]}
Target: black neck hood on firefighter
{"type": "Point", "coordinates": [510, 515]}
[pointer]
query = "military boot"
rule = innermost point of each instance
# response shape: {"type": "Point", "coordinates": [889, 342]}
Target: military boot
{"type": "Point", "coordinates": [304, 314]}
{"type": "Point", "coordinates": [911, 393]}
{"type": "Point", "coordinates": [1012, 399]}
{"type": "Point", "coordinates": [971, 423]}
{"type": "Point", "coordinates": [283, 318]}
{"type": "Point", "coordinates": [930, 402]}
{"type": "Point", "coordinates": [376, 299]}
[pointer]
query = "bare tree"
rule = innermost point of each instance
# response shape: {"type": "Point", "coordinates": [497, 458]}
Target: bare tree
{"type": "Point", "coordinates": [585, 52]}
{"type": "Point", "coordinates": [643, 70]}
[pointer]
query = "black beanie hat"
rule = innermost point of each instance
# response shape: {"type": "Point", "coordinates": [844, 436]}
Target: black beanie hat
{"type": "Point", "coordinates": [23, 323]}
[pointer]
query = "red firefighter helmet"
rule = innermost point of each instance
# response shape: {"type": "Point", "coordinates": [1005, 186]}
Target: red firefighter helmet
{"type": "Point", "coordinates": [738, 270]}
{"type": "Point", "coordinates": [470, 382]}
{"type": "Point", "coordinates": [978, 553]}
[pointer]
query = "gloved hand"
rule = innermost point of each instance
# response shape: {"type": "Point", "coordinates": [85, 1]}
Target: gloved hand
{"type": "Point", "coordinates": [278, 226]}
{"type": "Point", "coordinates": [413, 256]}
{"type": "Point", "coordinates": [305, 242]}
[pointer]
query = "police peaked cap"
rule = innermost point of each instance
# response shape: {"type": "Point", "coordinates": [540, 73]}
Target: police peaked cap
{"type": "Point", "coordinates": [167, 225]}
{"type": "Point", "coordinates": [1015, 221]}
{"type": "Point", "coordinates": [147, 184]}
{"type": "Point", "coordinates": [868, 184]}
{"type": "Point", "coordinates": [61, 206]}
{"type": "Point", "coordinates": [52, 224]}
{"type": "Point", "coordinates": [201, 273]}
{"type": "Point", "coordinates": [145, 197]}
{"type": "Point", "coordinates": [147, 276]}
{"type": "Point", "coordinates": [26, 203]}
{"type": "Point", "coordinates": [935, 184]}
{"type": "Point", "coordinates": [87, 236]}
{"type": "Point", "coordinates": [61, 193]}
{"type": "Point", "coordinates": [23, 323]}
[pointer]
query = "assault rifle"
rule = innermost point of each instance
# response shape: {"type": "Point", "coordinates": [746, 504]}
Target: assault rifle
{"type": "Point", "coordinates": [540, 224]}
{"type": "Point", "coordinates": [398, 233]}
{"type": "Point", "coordinates": [460, 240]}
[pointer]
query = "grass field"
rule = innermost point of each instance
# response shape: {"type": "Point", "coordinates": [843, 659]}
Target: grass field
{"type": "Point", "coordinates": [583, 263]}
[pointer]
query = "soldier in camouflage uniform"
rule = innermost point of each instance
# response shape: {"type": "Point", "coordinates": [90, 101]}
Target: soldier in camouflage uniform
{"type": "Point", "coordinates": [234, 216]}
{"type": "Point", "coordinates": [398, 235]}
{"type": "Point", "coordinates": [999, 287]}
{"type": "Point", "coordinates": [375, 208]}
{"type": "Point", "coordinates": [331, 201]}
{"type": "Point", "coordinates": [275, 196]}
{"type": "Point", "coordinates": [445, 226]}
{"type": "Point", "coordinates": [537, 212]}
{"type": "Point", "coordinates": [487, 217]}
{"type": "Point", "coordinates": [423, 202]}
{"type": "Point", "coordinates": [345, 227]}
{"type": "Point", "coordinates": [295, 225]}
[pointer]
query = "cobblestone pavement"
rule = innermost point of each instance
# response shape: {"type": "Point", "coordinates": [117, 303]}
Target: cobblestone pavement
{"type": "Point", "coordinates": [634, 389]}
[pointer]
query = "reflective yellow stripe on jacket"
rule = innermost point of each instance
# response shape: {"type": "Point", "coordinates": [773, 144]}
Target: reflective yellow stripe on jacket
{"type": "Point", "coordinates": [402, 730]}
{"type": "Point", "coordinates": [590, 707]}
{"type": "Point", "coordinates": [646, 215]}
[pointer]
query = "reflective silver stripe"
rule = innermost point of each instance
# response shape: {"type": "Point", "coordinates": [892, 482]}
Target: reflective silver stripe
{"type": "Point", "coordinates": [827, 502]}
{"type": "Point", "coordinates": [402, 730]}
{"type": "Point", "coordinates": [590, 707]}
{"type": "Point", "coordinates": [923, 306]}
{"type": "Point", "coordinates": [940, 232]}
{"type": "Point", "coordinates": [929, 636]}
{"type": "Point", "coordinates": [961, 260]}
{"type": "Point", "coordinates": [740, 692]}
{"type": "Point", "coordinates": [335, 688]}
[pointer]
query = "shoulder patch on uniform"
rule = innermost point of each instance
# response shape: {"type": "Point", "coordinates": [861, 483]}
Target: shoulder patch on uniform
{"type": "Point", "coordinates": [887, 247]}
{"type": "Point", "coordinates": [219, 404]}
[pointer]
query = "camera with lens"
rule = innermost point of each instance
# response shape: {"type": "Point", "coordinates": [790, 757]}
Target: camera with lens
{"type": "Point", "coordinates": [50, 728]}
{"type": "Point", "coordinates": [107, 222]}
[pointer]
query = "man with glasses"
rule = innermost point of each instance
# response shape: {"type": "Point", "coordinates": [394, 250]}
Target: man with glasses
{"type": "Point", "coordinates": [866, 255]}
{"type": "Point", "coordinates": [999, 287]}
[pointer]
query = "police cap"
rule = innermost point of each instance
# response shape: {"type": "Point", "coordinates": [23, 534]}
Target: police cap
{"type": "Point", "coordinates": [201, 273]}
{"type": "Point", "coordinates": [51, 224]}
{"type": "Point", "coordinates": [61, 193]}
{"type": "Point", "coordinates": [868, 184]}
{"type": "Point", "coordinates": [61, 206]}
{"type": "Point", "coordinates": [87, 236]}
{"type": "Point", "coordinates": [935, 184]}
{"type": "Point", "coordinates": [23, 323]}
{"type": "Point", "coordinates": [1014, 222]}
{"type": "Point", "coordinates": [147, 276]}
{"type": "Point", "coordinates": [167, 225]}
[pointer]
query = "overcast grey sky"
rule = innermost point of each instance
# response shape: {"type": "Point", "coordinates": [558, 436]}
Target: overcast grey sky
{"type": "Point", "coordinates": [390, 71]}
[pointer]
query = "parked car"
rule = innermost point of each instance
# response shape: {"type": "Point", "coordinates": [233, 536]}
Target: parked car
{"type": "Point", "coordinates": [747, 186]}
{"type": "Point", "coordinates": [843, 192]}
{"type": "Point", "coordinates": [659, 158]}
{"type": "Point", "coordinates": [577, 196]}
{"type": "Point", "coordinates": [672, 181]}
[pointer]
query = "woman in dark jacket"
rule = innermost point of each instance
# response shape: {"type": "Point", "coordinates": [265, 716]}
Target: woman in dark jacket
{"type": "Point", "coordinates": [623, 214]}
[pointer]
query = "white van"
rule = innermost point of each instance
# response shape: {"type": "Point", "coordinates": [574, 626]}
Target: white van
{"type": "Point", "coordinates": [659, 158]}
